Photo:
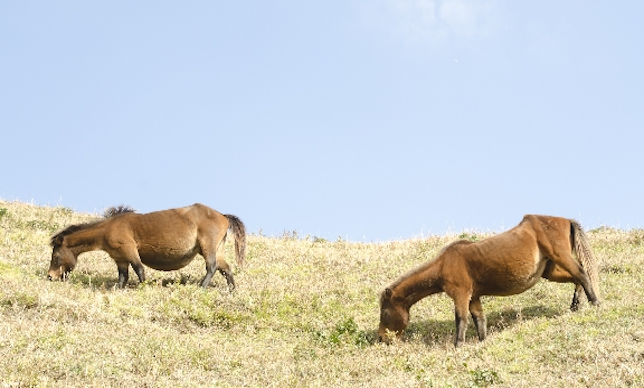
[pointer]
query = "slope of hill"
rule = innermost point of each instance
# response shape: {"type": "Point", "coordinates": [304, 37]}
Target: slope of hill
{"type": "Point", "coordinates": [304, 314]}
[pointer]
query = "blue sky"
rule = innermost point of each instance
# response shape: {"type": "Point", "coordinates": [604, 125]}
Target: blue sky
{"type": "Point", "coordinates": [367, 120]}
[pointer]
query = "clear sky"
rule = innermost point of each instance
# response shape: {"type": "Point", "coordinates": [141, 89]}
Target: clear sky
{"type": "Point", "coordinates": [370, 120]}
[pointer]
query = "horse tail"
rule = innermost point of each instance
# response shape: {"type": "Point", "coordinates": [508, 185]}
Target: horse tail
{"type": "Point", "coordinates": [238, 228]}
{"type": "Point", "coordinates": [585, 256]}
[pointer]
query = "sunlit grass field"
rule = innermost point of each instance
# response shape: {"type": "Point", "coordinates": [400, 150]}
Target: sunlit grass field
{"type": "Point", "coordinates": [304, 314]}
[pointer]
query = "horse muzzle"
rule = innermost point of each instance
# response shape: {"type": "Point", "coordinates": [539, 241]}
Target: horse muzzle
{"type": "Point", "coordinates": [60, 274]}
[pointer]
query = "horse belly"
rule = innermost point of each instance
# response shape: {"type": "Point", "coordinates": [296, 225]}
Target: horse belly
{"type": "Point", "coordinates": [512, 286]}
{"type": "Point", "coordinates": [166, 258]}
{"type": "Point", "coordinates": [512, 275]}
{"type": "Point", "coordinates": [166, 241]}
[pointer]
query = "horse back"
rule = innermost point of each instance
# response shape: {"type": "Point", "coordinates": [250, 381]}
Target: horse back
{"type": "Point", "coordinates": [178, 228]}
{"type": "Point", "coordinates": [512, 261]}
{"type": "Point", "coordinates": [534, 237]}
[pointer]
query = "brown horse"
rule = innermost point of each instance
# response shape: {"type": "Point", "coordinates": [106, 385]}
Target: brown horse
{"type": "Point", "coordinates": [505, 264]}
{"type": "Point", "coordinates": [165, 240]}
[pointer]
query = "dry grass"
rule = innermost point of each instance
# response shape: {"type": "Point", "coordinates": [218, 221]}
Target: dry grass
{"type": "Point", "coordinates": [304, 314]}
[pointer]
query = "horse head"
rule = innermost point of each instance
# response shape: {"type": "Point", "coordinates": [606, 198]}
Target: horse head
{"type": "Point", "coordinates": [63, 260]}
{"type": "Point", "coordinates": [394, 316]}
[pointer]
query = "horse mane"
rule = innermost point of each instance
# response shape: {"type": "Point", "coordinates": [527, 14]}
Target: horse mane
{"type": "Point", "coordinates": [113, 211]}
{"type": "Point", "coordinates": [116, 210]}
{"type": "Point", "coordinates": [57, 239]}
{"type": "Point", "coordinates": [428, 263]}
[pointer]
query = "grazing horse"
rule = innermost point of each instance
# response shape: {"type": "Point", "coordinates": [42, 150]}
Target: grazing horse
{"type": "Point", "coordinates": [505, 264]}
{"type": "Point", "coordinates": [165, 240]}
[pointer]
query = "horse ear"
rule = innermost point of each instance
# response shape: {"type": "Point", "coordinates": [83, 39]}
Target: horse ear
{"type": "Point", "coordinates": [388, 293]}
{"type": "Point", "coordinates": [56, 240]}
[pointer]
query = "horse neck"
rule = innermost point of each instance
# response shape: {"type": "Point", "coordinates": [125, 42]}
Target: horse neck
{"type": "Point", "coordinates": [85, 240]}
{"type": "Point", "coordinates": [420, 282]}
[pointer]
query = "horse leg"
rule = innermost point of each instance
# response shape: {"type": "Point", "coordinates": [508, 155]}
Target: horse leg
{"type": "Point", "coordinates": [209, 247]}
{"type": "Point", "coordinates": [126, 254]}
{"type": "Point", "coordinates": [224, 269]}
{"type": "Point", "coordinates": [123, 273]}
{"type": "Point", "coordinates": [131, 257]}
{"type": "Point", "coordinates": [556, 247]}
{"type": "Point", "coordinates": [566, 266]}
{"type": "Point", "coordinates": [211, 266]}
{"type": "Point", "coordinates": [461, 310]}
{"type": "Point", "coordinates": [574, 306]}
{"type": "Point", "coordinates": [140, 272]}
{"type": "Point", "coordinates": [555, 273]}
{"type": "Point", "coordinates": [476, 309]}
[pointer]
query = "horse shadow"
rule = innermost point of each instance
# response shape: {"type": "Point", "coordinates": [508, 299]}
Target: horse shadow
{"type": "Point", "coordinates": [109, 282]}
{"type": "Point", "coordinates": [440, 332]}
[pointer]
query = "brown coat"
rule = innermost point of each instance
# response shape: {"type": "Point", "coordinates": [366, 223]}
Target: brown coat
{"type": "Point", "coordinates": [505, 264]}
{"type": "Point", "coordinates": [164, 240]}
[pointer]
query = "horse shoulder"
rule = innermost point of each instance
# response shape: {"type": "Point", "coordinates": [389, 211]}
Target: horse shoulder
{"type": "Point", "coordinates": [455, 267]}
{"type": "Point", "coordinates": [118, 231]}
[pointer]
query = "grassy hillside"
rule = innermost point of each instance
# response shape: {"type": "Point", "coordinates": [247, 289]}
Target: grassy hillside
{"type": "Point", "coordinates": [304, 314]}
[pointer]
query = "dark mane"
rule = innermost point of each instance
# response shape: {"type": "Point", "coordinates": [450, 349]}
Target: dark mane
{"type": "Point", "coordinates": [57, 239]}
{"type": "Point", "coordinates": [116, 210]}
